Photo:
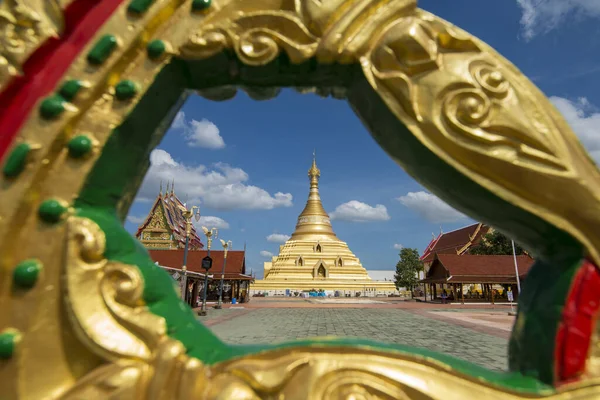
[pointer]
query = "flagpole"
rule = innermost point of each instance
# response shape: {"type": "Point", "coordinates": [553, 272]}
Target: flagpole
{"type": "Point", "coordinates": [516, 267]}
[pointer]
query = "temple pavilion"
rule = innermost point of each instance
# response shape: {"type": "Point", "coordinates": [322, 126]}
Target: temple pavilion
{"type": "Point", "coordinates": [314, 258]}
{"type": "Point", "coordinates": [163, 233]}
{"type": "Point", "coordinates": [164, 226]}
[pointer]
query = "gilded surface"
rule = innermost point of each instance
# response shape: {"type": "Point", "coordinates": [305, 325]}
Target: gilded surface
{"type": "Point", "coordinates": [458, 97]}
{"type": "Point", "coordinates": [312, 248]}
{"type": "Point", "coordinates": [24, 26]}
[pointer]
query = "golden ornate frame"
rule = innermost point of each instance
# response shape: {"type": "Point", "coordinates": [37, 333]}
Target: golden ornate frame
{"type": "Point", "coordinates": [85, 330]}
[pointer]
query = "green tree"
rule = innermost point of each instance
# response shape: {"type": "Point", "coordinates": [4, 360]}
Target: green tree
{"type": "Point", "coordinates": [407, 269]}
{"type": "Point", "coordinates": [495, 244]}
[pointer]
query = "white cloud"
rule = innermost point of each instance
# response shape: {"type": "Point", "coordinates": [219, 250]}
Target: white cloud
{"type": "Point", "coordinates": [278, 238]}
{"type": "Point", "coordinates": [199, 133]}
{"type": "Point", "coordinates": [584, 120]}
{"type": "Point", "coordinates": [398, 246]}
{"type": "Point", "coordinates": [212, 222]}
{"type": "Point", "coordinates": [542, 16]}
{"type": "Point", "coordinates": [265, 253]}
{"type": "Point", "coordinates": [430, 207]}
{"type": "Point", "coordinates": [357, 211]}
{"type": "Point", "coordinates": [136, 220]}
{"type": "Point", "coordinates": [221, 187]}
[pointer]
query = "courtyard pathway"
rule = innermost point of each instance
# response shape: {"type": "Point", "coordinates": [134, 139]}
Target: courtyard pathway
{"type": "Point", "coordinates": [479, 336]}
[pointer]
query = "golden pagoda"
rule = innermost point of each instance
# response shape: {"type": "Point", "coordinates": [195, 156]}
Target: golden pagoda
{"type": "Point", "coordinates": [314, 257]}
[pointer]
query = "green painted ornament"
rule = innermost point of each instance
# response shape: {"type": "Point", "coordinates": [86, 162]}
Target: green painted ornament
{"type": "Point", "coordinates": [200, 5]}
{"type": "Point", "coordinates": [139, 6]}
{"type": "Point", "coordinates": [102, 49]}
{"type": "Point", "coordinates": [79, 146]}
{"type": "Point", "coordinates": [16, 161]}
{"type": "Point", "coordinates": [156, 49]}
{"type": "Point", "coordinates": [8, 342]}
{"type": "Point", "coordinates": [52, 107]}
{"type": "Point", "coordinates": [52, 210]}
{"type": "Point", "coordinates": [125, 90]}
{"type": "Point", "coordinates": [26, 273]}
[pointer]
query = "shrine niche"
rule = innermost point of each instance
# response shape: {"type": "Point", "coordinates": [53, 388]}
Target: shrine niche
{"type": "Point", "coordinates": [88, 88]}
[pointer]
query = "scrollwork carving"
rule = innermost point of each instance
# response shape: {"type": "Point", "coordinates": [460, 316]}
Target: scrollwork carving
{"type": "Point", "coordinates": [257, 38]}
{"type": "Point", "coordinates": [113, 291]}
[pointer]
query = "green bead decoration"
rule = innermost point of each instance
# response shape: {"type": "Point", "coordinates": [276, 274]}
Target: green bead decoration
{"type": "Point", "coordinates": [102, 49]}
{"type": "Point", "coordinates": [69, 89]}
{"type": "Point", "coordinates": [125, 90]}
{"type": "Point", "coordinates": [139, 6]}
{"type": "Point", "coordinates": [156, 49]}
{"type": "Point", "coordinates": [52, 107]}
{"type": "Point", "coordinates": [199, 5]}
{"type": "Point", "coordinates": [16, 161]}
{"type": "Point", "coordinates": [26, 273]}
{"type": "Point", "coordinates": [79, 146]}
{"type": "Point", "coordinates": [8, 341]}
{"type": "Point", "coordinates": [51, 210]}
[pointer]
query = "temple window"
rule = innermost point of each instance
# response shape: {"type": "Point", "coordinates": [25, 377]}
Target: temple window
{"type": "Point", "coordinates": [318, 248]}
{"type": "Point", "coordinates": [340, 263]}
{"type": "Point", "coordinates": [300, 262]}
{"type": "Point", "coordinates": [321, 272]}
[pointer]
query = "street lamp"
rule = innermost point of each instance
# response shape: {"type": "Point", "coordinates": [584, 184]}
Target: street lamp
{"type": "Point", "coordinates": [207, 264]}
{"type": "Point", "coordinates": [226, 246]}
{"type": "Point", "coordinates": [187, 215]}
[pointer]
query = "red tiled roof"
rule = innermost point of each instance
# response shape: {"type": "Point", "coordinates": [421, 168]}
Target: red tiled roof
{"type": "Point", "coordinates": [235, 268]}
{"type": "Point", "coordinates": [476, 268]}
{"type": "Point", "coordinates": [469, 264]}
{"type": "Point", "coordinates": [452, 242]}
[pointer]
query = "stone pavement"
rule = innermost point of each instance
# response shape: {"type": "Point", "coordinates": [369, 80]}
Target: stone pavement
{"type": "Point", "coordinates": [435, 329]}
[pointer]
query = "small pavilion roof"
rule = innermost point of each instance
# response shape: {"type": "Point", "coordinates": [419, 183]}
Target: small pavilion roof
{"type": "Point", "coordinates": [453, 268]}
{"type": "Point", "coordinates": [455, 242]}
{"type": "Point", "coordinates": [235, 268]}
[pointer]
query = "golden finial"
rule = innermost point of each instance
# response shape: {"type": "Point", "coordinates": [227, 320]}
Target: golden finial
{"type": "Point", "coordinates": [167, 192]}
{"type": "Point", "coordinates": [313, 173]}
{"type": "Point", "coordinates": [173, 187]}
{"type": "Point", "coordinates": [160, 192]}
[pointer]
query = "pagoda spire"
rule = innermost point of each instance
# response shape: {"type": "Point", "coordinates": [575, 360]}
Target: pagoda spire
{"type": "Point", "coordinates": [160, 192]}
{"type": "Point", "coordinates": [313, 222]}
{"type": "Point", "coordinates": [167, 192]}
{"type": "Point", "coordinates": [173, 187]}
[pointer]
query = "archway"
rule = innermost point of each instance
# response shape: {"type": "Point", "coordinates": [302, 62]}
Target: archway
{"type": "Point", "coordinates": [444, 105]}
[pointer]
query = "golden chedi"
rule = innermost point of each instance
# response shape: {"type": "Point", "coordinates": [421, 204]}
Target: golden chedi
{"type": "Point", "coordinates": [314, 257]}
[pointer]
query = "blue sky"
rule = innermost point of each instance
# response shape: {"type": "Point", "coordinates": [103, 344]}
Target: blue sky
{"type": "Point", "coordinates": [245, 162]}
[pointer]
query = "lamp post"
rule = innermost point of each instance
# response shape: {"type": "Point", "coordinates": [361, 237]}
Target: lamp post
{"type": "Point", "coordinates": [187, 215]}
{"type": "Point", "coordinates": [226, 246]}
{"type": "Point", "coordinates": [207, 264]}
{"type": "Point", "coordinates": [516, 267]}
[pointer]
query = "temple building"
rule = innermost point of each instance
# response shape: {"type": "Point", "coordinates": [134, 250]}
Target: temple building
{"type": "Point", "coordinates": [315, 259]}
{"type": "Point", "coordinates": [163, 233]}
{"type": "Point", "coordinates": [458, 242]}
{"type": "Point", "coordinates": [164, 227]}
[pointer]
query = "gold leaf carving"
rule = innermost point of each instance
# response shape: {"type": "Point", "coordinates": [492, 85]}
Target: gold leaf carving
{"type": "Point", "coordinates": [104, 298]}
{"type": "Point", "coordinates": [257, 38]}
{"type": "Point", "coordinates": [24, 26]}
{"type": "Point", "coordinates": [352, 373]}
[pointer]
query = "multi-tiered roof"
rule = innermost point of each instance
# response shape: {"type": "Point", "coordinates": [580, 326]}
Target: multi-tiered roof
{"type": "Point", "coordinates": [165, 226]}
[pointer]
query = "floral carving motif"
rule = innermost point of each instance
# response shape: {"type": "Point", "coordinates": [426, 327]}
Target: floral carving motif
{"type": "Point", "coordinates": [256, 38]}
{"type": "Point", "coordinates": [24, 27]}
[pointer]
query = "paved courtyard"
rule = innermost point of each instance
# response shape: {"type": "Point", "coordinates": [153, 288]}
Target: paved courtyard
{"type": "Point", "coordinates": [473, 335]}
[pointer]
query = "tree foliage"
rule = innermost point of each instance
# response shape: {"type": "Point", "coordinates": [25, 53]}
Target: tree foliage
{"type": "Point", "coordinates": [407, 269]}
{"type": "Point", "coordinates": [496, 244]}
